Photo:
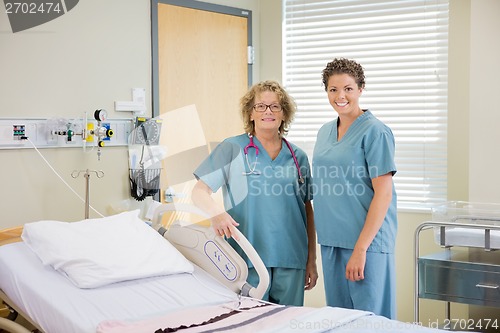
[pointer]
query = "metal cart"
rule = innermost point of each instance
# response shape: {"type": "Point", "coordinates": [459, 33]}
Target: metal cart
{"type": "Point", "coordinates": [470, 277]}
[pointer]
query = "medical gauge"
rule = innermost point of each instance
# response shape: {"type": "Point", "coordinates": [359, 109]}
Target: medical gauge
{"type": "Point", "coordinates": [100, 115]}
{"type": "Point", "coordinates": [88, 130]}
{"type": "Point", "coordinates": [102, 132]}
{"type": "Point", "coordinates": [147, 131]}
{"type": "Point", "coordinates": [145, 168]}
{"type": "Point", "coordinates": [253, 171]}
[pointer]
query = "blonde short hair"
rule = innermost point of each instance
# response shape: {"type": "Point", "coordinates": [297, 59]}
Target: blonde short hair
{"type": "Point", "coordinates": [287, 104]}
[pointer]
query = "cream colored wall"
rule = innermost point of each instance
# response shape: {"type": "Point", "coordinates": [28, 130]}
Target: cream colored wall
{"type": "Point", "coordinates": [84, 60]}
{"type": "Point", "coordinates": [270, 50]}
{"type": "Point", "coordinates": [484, 113]}
{"type": "Point", "coordinates": [484, 107]}
{"type": "Point", "coordinates": [458, 101]}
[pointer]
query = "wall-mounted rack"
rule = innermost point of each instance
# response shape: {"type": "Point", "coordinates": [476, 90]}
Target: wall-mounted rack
{"type": "Point", "coordinates": [60, 132]}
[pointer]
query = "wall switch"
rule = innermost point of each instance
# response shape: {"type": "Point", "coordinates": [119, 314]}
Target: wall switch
{"type": "Point", "coordinates": [139, 95]}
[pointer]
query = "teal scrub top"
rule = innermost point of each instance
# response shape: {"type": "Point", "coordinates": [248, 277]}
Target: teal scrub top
{"type": "Point", "coordinates": [269, 204]}
{"type": "Point", "coordinates": [342, 185]}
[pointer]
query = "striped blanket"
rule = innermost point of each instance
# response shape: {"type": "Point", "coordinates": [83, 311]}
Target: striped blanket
{"type": "Point", "coordinates": [248, 315]}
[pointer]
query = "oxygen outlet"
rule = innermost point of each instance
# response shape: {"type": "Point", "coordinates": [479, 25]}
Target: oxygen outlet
{"type": "Point", "coordinates": [90, 131]}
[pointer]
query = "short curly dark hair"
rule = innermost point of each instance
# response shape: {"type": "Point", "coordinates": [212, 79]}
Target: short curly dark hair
{"type": "Point", "coordinates": [344, 66]}
{"type": "Point", "coordinates": [287, 103]}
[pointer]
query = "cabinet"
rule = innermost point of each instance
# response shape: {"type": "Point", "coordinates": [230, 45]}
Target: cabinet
{"type": "Point", "coordinates": [456, 276]}
{"type": "Point", "coordinates": [467, 270]}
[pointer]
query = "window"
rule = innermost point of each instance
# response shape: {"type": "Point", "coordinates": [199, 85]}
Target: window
{"type": "Point", "coordinates": [403, 48]}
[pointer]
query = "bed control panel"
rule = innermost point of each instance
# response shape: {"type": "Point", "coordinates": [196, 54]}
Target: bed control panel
{"type": "Point", "coordinates": [220, 260]}
{"type": "Point", "coordinates": [197, 243]}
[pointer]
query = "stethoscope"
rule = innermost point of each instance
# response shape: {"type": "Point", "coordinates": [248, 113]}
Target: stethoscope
{"type": "Point", "coordinates": [253, 171]}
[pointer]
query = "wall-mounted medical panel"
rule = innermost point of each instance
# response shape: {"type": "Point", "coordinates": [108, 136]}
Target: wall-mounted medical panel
{"type": "Point", "coordinates": [18, 133]}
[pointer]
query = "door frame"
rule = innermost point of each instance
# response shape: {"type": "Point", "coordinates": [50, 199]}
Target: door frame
{"type": "Point", "coordinates": [155, 98]}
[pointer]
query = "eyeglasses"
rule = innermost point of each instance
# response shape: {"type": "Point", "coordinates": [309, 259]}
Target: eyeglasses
{"type": "Point", "coordinates": [261, 107]}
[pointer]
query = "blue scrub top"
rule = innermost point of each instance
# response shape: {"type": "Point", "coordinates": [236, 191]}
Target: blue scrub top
{"type": "Point", "coordinates": [342, 185]}
{"type": "Point", "coordinates": [269, 206]}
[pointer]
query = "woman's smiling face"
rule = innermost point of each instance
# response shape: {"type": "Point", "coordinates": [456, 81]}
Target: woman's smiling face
{"type": "Point", "coordinates": [267, 120]}
{"type": "Point", "coordinates": [343, 94]}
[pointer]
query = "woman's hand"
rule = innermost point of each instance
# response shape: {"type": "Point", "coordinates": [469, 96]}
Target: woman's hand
{"type": "Point", "coordinates": [355, 269]}
{"type": "Point", "coordinates": [221, 221]}
{"type": "Point", "coordinates": [311, 275]}
{"type": "Point", "coordinates": [224, 225]}
{"type": "Point", "coordinates": [382, 186]}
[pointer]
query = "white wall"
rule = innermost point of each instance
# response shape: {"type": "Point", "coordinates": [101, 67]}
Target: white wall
{"type": "Point", "coordinates": [484, 107]}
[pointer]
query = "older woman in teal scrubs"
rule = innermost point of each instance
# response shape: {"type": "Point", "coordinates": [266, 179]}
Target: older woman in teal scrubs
{"type": "Point", "coordinates": [264, 194]}
{"type": "Point", "coordinates": [354, 198]}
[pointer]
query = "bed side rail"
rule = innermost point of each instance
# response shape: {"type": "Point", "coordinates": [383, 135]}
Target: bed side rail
{"type": "Point", "coordinates": [194, 250]}
{"type": "Point", "coordinates": [12, 327]}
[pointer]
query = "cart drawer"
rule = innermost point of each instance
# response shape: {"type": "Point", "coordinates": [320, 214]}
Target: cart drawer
{"type": "Point", "coordinates": [470, 283]}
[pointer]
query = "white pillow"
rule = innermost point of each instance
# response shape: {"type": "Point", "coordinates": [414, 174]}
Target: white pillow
{"type": "Point", "coordinates": [97, 252]}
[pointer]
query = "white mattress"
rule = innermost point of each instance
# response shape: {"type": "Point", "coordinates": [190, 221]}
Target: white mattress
{"type": "Point", "coordinates": [458, 236]}
{"type": "Point", "coordinates": [53, 302]}
{"type": "Point", "coordinates": [58, 306]}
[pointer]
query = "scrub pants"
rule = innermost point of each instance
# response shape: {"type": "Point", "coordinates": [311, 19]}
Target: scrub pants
{"type": "Point", "coordinates": [286, 285]}
{"type": "Point", "coordinates": [375, 293]}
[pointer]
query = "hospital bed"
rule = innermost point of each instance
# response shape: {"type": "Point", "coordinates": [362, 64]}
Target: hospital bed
{"type": "Point", "coordinates": [54, 300]}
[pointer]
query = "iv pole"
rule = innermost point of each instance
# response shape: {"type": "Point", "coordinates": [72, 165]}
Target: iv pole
{"type": "Point", "coordinates": [76, 174]}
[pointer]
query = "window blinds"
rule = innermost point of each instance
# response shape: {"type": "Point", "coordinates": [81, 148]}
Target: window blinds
{"type": "Point", "coordinates": [403, 48]}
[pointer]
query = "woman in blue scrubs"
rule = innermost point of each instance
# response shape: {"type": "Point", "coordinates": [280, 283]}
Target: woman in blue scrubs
{"type": "Point", "coordinates": [264, 194]}
{"type": "Point", "coordinates": [354, 197]}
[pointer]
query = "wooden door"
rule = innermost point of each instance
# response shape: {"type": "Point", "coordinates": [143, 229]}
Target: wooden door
{"type": "Point", "coordinates": [202, 62]}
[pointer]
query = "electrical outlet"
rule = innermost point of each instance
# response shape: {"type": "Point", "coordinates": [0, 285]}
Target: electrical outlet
{"type": "Point", "coordinates": [18, 132]}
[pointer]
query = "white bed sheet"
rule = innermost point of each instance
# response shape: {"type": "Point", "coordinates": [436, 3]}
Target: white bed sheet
{"type": "Point", "coordinates": [468, 237]}
{"type": "Point", "coordinates": [54, 303]}
{"type": "Point", "coordinates": [57, 306]}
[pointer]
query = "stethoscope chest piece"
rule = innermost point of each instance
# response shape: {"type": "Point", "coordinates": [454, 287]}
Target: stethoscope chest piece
{"type": "Point", "coordinates": [252, 171]}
